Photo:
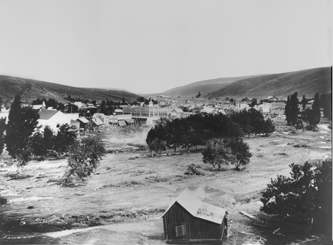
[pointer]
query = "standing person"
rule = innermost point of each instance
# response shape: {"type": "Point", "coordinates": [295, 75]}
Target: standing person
{"type": "Point", "coordinates": [225, 225]}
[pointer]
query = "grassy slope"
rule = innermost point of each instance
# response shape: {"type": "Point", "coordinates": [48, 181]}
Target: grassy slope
{"type": "Point", "coordinates": [205, 87]}
{"type": "Point", "coordinates": [306, 82]}
{"type": "Point", "coordinates": [32, 89]}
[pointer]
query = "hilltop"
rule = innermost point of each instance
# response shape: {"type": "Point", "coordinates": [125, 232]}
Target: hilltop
{"type": "Point", "coordinates": [31, 89]}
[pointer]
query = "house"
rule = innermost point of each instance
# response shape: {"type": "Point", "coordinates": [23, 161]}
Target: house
{"type": "Point", "coordinates": [39, 106]}
{"type": "Point", "coordinates": [54, 119]}
{"type": "Point", "coordinates": [97, 121]}
{"type": "Point", "coordinates": [83, 122]}
{"type": "Point", "coordinates": [192, 220]}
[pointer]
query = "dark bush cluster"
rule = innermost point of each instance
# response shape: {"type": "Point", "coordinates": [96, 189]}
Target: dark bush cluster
{"type": "Point", "coordinates": [199, 128]}
{"type": "Point", "coordinates": [47, 143]}
{"type": "Point", "coordinates": [304, 197]}
{"type": "Point", "coordinates": [191, 131]}
{"type": "Point", "coordinates": [252, 122]}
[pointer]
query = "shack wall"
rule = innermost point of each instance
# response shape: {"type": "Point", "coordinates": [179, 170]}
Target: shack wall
{"type": "Point", "coordinates": [196, 228]}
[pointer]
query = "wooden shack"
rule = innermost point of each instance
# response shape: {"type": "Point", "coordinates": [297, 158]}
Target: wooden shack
{"type": "Point", "coordinates": [189, 219]}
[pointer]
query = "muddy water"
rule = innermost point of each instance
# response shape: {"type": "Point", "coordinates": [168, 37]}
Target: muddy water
{"type": "Point", "coordinates": [128, 194]}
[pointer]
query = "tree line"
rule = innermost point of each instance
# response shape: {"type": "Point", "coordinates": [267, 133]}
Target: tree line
{"type": "Point", "coordinates": [296, 111]}
{"type": "Point", "coordinates": [220, 134]}
{"type": "Point", "coordinates": [199, 128]}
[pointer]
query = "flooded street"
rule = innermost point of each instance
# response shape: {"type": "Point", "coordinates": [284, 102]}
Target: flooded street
{"type": "Point", "coordinates": [123, 201]}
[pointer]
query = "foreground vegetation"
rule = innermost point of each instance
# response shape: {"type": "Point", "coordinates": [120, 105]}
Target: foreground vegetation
{"type": "Point", "coordinates": [303, 198]}
{"type": "Point", "coordinates": [24, 141]}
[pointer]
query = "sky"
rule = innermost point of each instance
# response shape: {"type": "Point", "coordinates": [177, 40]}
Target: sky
{"type": "Point", "coordinates": [149, 46]}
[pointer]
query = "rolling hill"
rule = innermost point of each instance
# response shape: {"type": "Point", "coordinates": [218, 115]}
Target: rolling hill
{"type": "Point", "coordinates": [205, 87]}
{"type": "Point", "coordinates": [31, 89]}
{"type": "Point", "coordinates": [305, 82]}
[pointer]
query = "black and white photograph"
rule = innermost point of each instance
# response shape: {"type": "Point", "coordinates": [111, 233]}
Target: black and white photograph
{"type": "Point", "coordinates": [156, 122]}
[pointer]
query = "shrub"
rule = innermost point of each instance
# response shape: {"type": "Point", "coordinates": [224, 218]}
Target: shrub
{"type": "Point", "coordinates": [305, 196]}
{"type": "Point", "coordinates": [83, 158]}
{"type": "Point", "coordinates": [228, 151]}
{"type": "Point", "coordinates": [64, 139]}
{"type": "Point", "coordinates": [37, 144]}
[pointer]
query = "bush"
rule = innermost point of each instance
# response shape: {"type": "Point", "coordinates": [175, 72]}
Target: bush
{"type": "Point", "coordinates": [305, 196]}
{"type": "Point", "coordinates": [64, 139]}
{"type": "Point", "coordinates": [42, 144]}
{"type": "Point", "coordinates": [37, 144]}
{"type": "Point", "coordinates": [83, 158]}
{"type": "Point", "coordinates": [228, 151]}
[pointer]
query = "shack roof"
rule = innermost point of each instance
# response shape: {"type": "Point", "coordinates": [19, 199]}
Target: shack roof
{"type": "Point", "coordinates": [197, 208]}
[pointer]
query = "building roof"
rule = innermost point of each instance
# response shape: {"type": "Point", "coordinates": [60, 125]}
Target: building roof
{"type": "Point", "coordinates": [46, 114]}
{"type": "Point", "coordinates": [98, 121]}
{"type": "Point", "coordinates": [83, 120]}
{"type": "Point", "coordinates": [197, 208]}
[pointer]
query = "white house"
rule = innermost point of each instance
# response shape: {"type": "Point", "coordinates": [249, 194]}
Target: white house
{"type": "Point", "coordinates": [54, 119]}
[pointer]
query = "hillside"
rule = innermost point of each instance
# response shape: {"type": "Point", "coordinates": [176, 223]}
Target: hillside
{"type": "Point", "coordinates": [32, 89]}
{"type": "Point", "coordinates": [306, 82]}
{"type": "Point", "coordinates": [205, 87]}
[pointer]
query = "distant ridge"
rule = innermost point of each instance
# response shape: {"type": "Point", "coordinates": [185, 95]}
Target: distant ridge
{"type": "Point", "coordinates": [31, 89]}
{"type": "Point", "coordinates": [306, 82]}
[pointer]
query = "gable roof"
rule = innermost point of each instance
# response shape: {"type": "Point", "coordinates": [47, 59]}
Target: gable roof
{"type": "Point", "coordinates": [198, 208]}
{"type": "Point", "coordinates": [83, 120]}
{"type": "Point", "coordinates": [45, 114]}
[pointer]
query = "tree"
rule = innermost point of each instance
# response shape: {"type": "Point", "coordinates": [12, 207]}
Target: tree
{"type": "Point", "coordinates": [157, 145]}
{"type": "Point", "coordinates": [226, 151]}
{"type": "Point", "coordinates": [268, 127]}
{"type": "Point", "coordinates": [305, 196]}
{"type": "Point", "coordinates": [2, 134]}
{"type": "Point", "coordinates": [21, 124]}
{"type": "Point", "coordinates": [64, 139]}
{"type": "Point", "coordinates": [42, 143]}
{"type": "Point", "coordinates": [49, 138]}
{"type": "Point", "coordinates": [316, 110]}
{"type": "Point", "coordinates": [37, 144]}
{"type": "Point", "coordinates": [83, 158]}
{"type": "Point", "coordinates": [326, 104]}
{"type": "Point", "coordinates": [312, 116]}
{"type": "Point", "coordinates": [198, 95]}
{"type": "Point", "coordinates": [292, 110]}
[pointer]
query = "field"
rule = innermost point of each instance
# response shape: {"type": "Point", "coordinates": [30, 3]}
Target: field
{"type": "Point", "coordinates": [123, 201]}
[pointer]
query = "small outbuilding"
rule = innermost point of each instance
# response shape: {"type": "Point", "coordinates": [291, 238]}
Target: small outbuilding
{"type": "Point", "coordinates": [189, 219]}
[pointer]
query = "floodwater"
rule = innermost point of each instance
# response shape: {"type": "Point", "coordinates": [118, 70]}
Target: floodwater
{"type": "Point", "coordinates": [126, 196]}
